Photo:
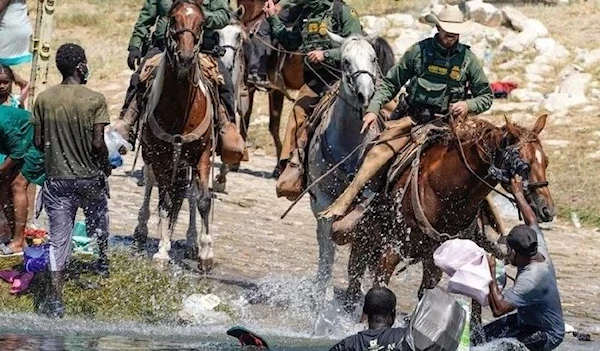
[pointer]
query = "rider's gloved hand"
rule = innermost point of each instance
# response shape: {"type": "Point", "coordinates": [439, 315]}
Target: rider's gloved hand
{"type": "Point", "coordinates": [134, 58]}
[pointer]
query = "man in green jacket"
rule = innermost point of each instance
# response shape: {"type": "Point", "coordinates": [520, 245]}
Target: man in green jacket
{"type": "Point", "coordinates": [439, 70]}
{"type": "Point", "coordinates": [155, 13]}
{"type": "Point", "coordinates": [312, 20]}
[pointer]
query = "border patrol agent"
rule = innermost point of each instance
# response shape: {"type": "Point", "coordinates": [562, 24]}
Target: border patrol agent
{"type": "Point", "coordinates": [154, 13]}
{"type": "Point", "coordinates": [440, 71]}
{"type": "Point", "coordinates": [312, 20]}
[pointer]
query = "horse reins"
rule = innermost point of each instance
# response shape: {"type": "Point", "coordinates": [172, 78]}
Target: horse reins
{"type": "Point", "coordinates": [337, 165]}
{"type": "Point", "coordinates": [464, 159]}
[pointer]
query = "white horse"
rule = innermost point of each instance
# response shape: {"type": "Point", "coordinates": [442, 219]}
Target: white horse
{"type": "Point", "coordinates": [338, 134]}
{"type": "Point", "coordinates": [231, 39]}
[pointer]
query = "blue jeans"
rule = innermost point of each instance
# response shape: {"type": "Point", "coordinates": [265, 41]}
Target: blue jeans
{"type": "Point", "coordinates": [61, 199]}
{"type": "Point", "coordinates": [509, 327]}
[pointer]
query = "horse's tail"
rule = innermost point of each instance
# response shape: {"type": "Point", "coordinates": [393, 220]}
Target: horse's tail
{"type": "Point", "coordinates": [385, 53]}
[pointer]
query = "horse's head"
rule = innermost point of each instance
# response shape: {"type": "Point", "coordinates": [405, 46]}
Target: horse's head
{"type": "Point", "coordinates": [527, 143]}
{"type": "Point", "coordinates": [231, 39]}
{"type": "Point", "coordinates": [184, 34]}
{"type": "Point", "coordinates": [359, 66]}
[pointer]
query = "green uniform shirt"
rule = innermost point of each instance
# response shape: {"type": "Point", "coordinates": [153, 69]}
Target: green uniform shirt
{"type": "Point", "coordinates": [67, 114]}
{"type": "Point", "coordinates": [154, 12]}
{"type": "Point", "coordinates": [16, 141]}
{"type": "Point", "coordinates": [411, 65]}
{"type": "Point", "coordinates": [309, 14]}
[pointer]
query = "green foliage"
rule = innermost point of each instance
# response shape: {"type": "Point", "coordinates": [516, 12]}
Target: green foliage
{"type": "Point", "coordinates": [136, 290]}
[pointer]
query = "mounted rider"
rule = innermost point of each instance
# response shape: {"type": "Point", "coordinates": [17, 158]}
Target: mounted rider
{"type": "Point", "coordinates": [259, 47]}
{"type": "Point", "coordinates": [312, 20]}
{"type": "Point", "coordinates": [440, 71]}
{"type": "Point", "coordinates": [154, 13]}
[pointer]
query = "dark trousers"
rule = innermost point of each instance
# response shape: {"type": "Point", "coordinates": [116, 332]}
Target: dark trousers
{"type": "Point", "coordinates": [258, 49]}
{"type": "Point", "coordinates": [509, 327]}
{"type": "Point", "coordinates": [61, 199]}
{"type": "Point", "coordinates": [226, 92]}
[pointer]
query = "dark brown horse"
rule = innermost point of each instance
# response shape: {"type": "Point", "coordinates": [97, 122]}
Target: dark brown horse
{"type": "Point", "coordinates": [177, 133]}
{"type": "Point", "coordinates": [285, 72]}
{"type": "Point", "coordinates": [442, 193]}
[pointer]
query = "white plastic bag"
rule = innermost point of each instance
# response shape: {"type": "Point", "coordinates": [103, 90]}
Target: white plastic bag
{"type": "Point", "coordinates": [455, 253]}
{"type": "Point", "coordinates": [466, 263]}
{"type": "Point", "coordinates": [114, 141]}
{"type": "Point", "coordinates": [472, 280]}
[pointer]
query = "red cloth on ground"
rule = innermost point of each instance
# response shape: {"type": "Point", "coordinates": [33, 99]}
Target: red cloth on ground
{"type": "Point", "coordinates": [503, 87]}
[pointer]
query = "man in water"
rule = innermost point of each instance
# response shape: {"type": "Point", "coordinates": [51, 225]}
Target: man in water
{"type": "Point", "coordinates": [69, 121]}
{"type": "Point", "coordinates": [538, 322]}
{"type": "Point", "coordinates": [380, 312]}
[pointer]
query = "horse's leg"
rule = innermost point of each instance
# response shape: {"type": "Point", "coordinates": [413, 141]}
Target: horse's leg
{"type": "Point", "coordinates": [245, 123]}
{"type": "Point", "coordinates": [205, 240]}
{"type": "Point", "coordinates": [177, 192]}
{"type": "Point", "coordinates": [191, 236]}
{"type": "Point", "coordinates": [165, 206]}
{"type": "Point", "coordinates": [326, 255]}
{"type": "Point", "coordinates": [140, 235]}
{"type": "Point", "coordinates": [220, 182]}
{"type": "Point", "coordinates": [431, 276]}
{"type": "Point", "coordinates": [388, 260]}
{"type": "Point", "coordinates": [275, 109]}
{"type": "Point", "coordinates": [357, 265]}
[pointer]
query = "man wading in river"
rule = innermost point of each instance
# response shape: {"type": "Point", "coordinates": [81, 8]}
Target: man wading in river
{"type": "Point", "coordinates": [538, 322]}
{"type": "Point", "coordinates": [380, 311]}
{"type": "Point", "coordinates": [69, 122]}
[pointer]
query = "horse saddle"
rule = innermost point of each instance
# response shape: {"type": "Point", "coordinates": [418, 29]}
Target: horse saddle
{"type": "Point", "coordinates": [208, 65]}
{"type": "Point", "coordinates": [421, 137]}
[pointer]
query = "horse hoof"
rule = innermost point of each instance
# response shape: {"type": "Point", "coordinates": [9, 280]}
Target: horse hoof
{"type": "Point", "coordinates": [219, 187]}
{"type": "Point", "coordinates": [205, 265]}
{"type": "Point", "coordinates": [161, 258]}
{"type": "Point", "coordinates": [234, 167]}
{"type": "Point", "coordinates": [160, 264]}
{"type": "Point", "coordinates": [276, 172]}
{"type": "Point", "coordinates": [191, 253]}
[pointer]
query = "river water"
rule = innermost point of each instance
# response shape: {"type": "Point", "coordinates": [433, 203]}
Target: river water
{"type": "Point", "coordinates": [33, 333]}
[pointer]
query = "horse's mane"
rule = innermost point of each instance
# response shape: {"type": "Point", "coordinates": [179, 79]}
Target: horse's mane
{"type": "Point", "coordinates": [385, 54]}
{"type": "Point", "coordinates": [383, 50]}
{"type": "Point", "coordinates": [487, 137]}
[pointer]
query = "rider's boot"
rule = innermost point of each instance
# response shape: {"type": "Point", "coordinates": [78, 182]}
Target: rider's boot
{"type": "Point", "coordinates": [291, 181]}
{"type": "Point", "coordinates": [231, 143]}
{"type": "Point", "coordinates": [375, 159]}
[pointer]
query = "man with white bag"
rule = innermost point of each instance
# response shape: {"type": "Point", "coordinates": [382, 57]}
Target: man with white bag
{"type": "Point", "coordinates": [538, 322]}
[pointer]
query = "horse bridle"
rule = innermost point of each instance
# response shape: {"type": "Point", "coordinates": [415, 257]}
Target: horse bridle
{"type": "Point", "coordinates": [171, 34]}
{"type": "Point", "coordinates": [352, 78]}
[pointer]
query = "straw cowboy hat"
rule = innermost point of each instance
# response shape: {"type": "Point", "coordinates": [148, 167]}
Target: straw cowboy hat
{"type": "Point", "coordinates": [451, 19]}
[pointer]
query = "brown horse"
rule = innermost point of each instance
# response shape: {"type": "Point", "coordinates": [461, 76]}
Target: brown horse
{"type": "Point", "coordinates": [285, 72]}
{"type": "Point", "coordinates": [177, 133]}
{"type": "Point", "coordinates": [442, 193]}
